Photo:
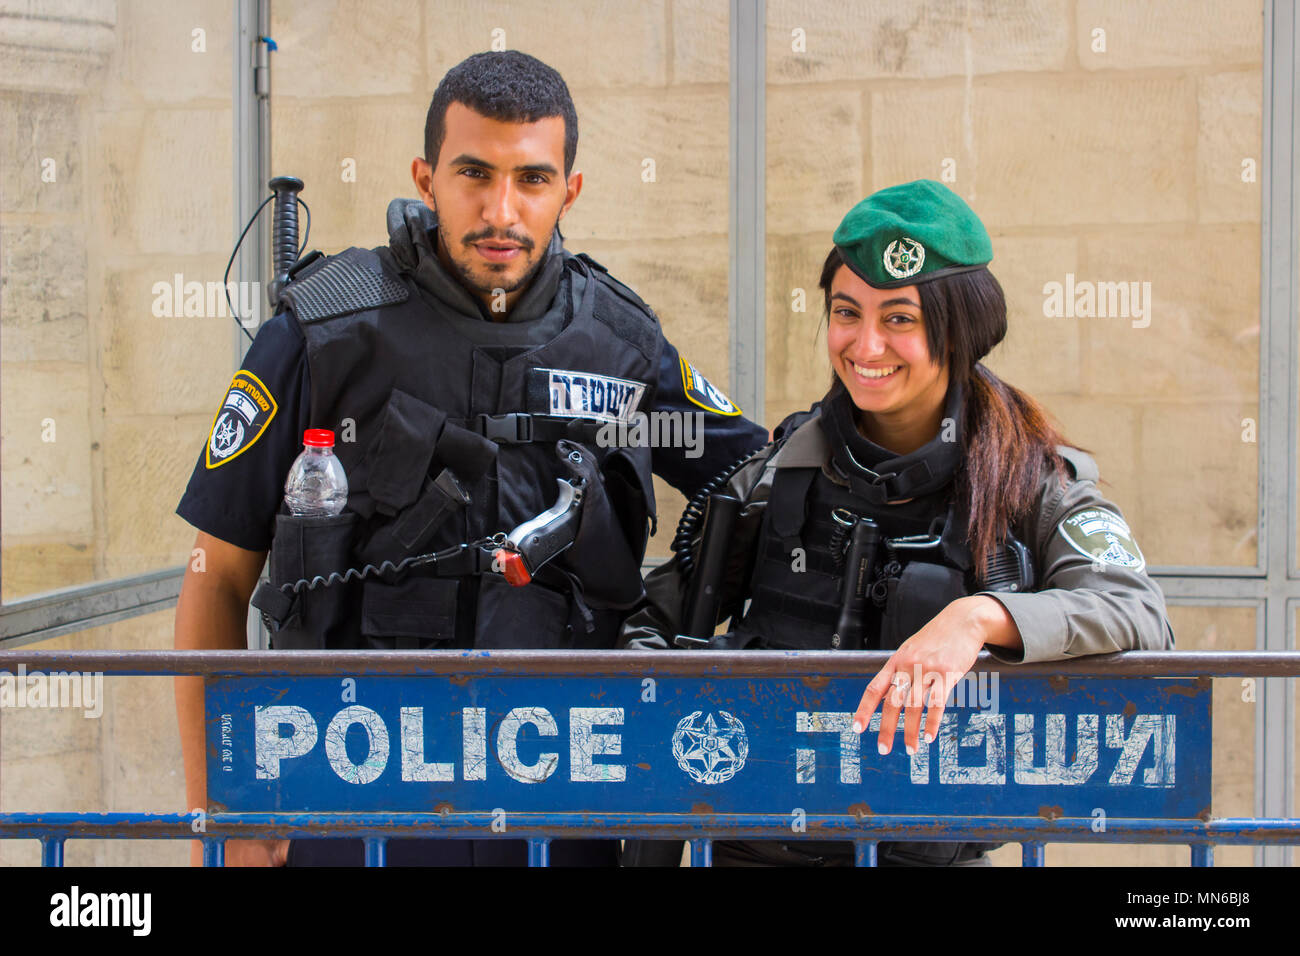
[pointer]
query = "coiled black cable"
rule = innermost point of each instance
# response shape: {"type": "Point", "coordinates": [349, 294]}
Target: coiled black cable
{"type": "Point", "coordinates": [689, 523]}
{"type": "Point", "coordinates": [356, 574]}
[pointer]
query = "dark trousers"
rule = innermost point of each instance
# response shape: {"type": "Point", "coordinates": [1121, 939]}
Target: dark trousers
{"type": "Point", "coordinates": [452, 853]}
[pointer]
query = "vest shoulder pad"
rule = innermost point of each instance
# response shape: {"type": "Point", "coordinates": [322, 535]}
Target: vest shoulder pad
{"type": "Point", "coordinates": [352, 281]}
{"type": "Point", "coordinates": [794, 420]}
{"type": "Point", "coordinates": [1081, 463]}
{"type": "Point", "coordinates": [623, 310]}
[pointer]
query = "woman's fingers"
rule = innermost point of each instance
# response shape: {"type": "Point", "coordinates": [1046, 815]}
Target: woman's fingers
{"type": "Point", "coordinates": [920, 694]}
{"type": "Point", "coordinates": [937, 700]}
{"type": "Point", "coordinates": [903, 692]}
{"type": "Point", "coordinates": [872, 695]}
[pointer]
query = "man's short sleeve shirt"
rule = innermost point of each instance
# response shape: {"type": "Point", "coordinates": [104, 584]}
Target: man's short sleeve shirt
{"type": "Point", "coordinates": [237, 485]}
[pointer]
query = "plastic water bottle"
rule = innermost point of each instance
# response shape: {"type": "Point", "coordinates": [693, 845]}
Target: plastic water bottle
{"type": "Point", "coordinates": [316, 484]}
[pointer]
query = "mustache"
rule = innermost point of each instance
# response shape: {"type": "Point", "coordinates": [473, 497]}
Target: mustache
{"type": "Point", "coordinates": [522, 241]}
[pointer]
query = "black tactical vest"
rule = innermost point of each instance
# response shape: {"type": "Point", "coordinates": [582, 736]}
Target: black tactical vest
{"type": "Point", "coordinates": [796, 589]}
{"type": "Point", "coordinates": [797, 585]}
{"type": "Point", "coordinates": [447, 437]}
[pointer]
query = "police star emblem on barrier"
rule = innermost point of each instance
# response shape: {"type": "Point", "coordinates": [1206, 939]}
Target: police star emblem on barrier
{"type": "Point", "coordinates": [708, 753]}
{"type": "Point", "coordinates": [904, 257]}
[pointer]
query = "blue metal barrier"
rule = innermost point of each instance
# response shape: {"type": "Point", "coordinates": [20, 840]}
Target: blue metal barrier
{"type": "Point", "coordinates": [695, 745]}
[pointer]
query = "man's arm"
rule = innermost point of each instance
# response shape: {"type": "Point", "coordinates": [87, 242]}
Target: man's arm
{"type": "Point", "coordinates": [211, 614]}
{"type": "Point", "coordinates": [726, 437]}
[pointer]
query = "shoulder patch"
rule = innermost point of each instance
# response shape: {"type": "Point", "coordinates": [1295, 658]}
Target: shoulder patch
{"type": "Point", "coordinates": [344, 284]}
{"type": "Point", "coordinates": [1104, 537]}
{"type": "Point", "coordinates": [700, 392]}
{"type": "Point", "coordinates": [241, 420]}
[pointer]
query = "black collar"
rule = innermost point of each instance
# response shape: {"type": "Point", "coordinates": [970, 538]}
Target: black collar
{"type": "Point", "coordinates": [878, 474]}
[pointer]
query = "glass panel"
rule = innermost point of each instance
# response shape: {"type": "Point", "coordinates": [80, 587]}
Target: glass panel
{"type": "Point", "coordinates": [121, 752]}
{"type": "Point", "coordinates": [1112, 150]}
{"type": "Point", "coordinates": [1233, 791]}
{"type": "Point", "coordinates": [115, 158]}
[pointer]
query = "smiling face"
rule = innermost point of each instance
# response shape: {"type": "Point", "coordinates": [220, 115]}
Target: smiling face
{"type": "Point", "coordinates": [499, 190]}
{"type": "Point", "coordinates": [877, 343]}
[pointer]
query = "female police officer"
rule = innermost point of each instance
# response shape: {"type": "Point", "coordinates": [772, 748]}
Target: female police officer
{"type": "Point", "coordinates": [987, 530]}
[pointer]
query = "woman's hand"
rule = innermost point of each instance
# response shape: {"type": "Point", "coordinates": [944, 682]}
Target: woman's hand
{"type": "Point", "coordinates": [247, 853]}
{"type": "Point", "coordinates": [929, 663]}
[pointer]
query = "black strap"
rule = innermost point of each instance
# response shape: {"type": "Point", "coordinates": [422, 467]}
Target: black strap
{"type": "Point", "coordinates": [521, 428]}
{"type": "Point", "coordinates": [787, 503]}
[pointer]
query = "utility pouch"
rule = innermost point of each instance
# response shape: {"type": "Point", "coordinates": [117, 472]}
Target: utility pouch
{"type": "Point", "coordinates": [399, 485]}
{"type": "Point", "coordinates": [412, 530]}
{"type": "Point", "coordinates": [305, 547]}
{"type": "Point", "coordinates": [531, 617]}
{"type": "Point", "coordinates": [922, 591]}
{"type": "Point", "coordinates": [413, 614]}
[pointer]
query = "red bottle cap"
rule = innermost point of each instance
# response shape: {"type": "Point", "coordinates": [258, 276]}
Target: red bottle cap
{"type": "Point", "coordinates": [318, 438]}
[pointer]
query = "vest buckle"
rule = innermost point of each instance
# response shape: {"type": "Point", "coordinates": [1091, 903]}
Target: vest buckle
{"type": "Point", "coordinates": [513, 428]}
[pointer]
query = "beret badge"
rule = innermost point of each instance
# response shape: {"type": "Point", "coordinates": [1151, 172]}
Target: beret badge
{"type": "Point", "coordinates": [904, 257]}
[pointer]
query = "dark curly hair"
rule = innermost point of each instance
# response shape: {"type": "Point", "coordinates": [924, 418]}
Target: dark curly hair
{"type": "Point", "coordinates": [509, 86]}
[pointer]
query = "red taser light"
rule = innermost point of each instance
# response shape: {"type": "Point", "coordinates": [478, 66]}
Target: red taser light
{"type": "Point", "coordinates": [513, 567]}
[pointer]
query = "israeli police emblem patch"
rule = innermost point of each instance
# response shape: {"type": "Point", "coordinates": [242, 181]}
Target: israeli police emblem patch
{"type": "Point", "coordinates": [709, 753]}
{"type": "Point", "coordinates": [700, 392]}
{"type": "Point", "coordinates": [241, 420]}
{"type": "Point", "coordinates": [904, 257]}
{"type": "Point", "coordinates": [1103, 536]}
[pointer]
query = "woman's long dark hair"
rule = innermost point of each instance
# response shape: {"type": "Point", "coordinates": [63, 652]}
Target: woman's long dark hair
{"type": "Point", "coordinates": [1007, 437]}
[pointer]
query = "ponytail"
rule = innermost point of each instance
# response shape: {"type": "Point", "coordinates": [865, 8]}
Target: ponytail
{"type": "Point", "coordinates": [1009, 442]}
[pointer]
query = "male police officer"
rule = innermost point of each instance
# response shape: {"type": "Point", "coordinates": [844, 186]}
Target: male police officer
{"type": "Point", "coordinates": [465, 367]}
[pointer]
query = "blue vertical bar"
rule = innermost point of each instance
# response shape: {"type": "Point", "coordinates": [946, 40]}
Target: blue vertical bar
{"type": "Point", "coordinates": [864, 852]}
{"type": "Point", "coordinates": [539, 851]}
{"type": "Point", "coordinates": [1033, 853]}
{"type": "Point", "coordinates": [376, 851]}
{"type": "Point", "coordinates": [701, 853]}
{"type": "Point", "coordinates": [51, 851]}
{"type": "Point", "coordinates": [214, 851]}
{"type": "Point", "coordinates": [1202, 854]}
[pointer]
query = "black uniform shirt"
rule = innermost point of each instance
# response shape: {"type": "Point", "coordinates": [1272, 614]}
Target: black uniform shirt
{"type": "Point", "coordinates": [238, 483]}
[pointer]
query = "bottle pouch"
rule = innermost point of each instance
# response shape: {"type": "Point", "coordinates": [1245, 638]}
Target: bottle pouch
{"type": "Point", "coordinates": [602, 559]}
{"type": "Point", "coordinates": [923, 590]}
{"type": "Point", "coordinates": [305, 547]}
{"type": "Point", "coordinates": [413, 614]}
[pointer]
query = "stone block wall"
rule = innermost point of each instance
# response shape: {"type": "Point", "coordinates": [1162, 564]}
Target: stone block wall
{"type": "Point", "coordinates": [1115, 157]}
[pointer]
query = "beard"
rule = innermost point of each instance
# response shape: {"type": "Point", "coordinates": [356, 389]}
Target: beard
{"type": "Point", "coordinates": [486, 286]}
{"type": "Point", "coordinates": [484, 282]}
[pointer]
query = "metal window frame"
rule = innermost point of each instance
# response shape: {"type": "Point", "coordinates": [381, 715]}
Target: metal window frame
{"type": "Point", "coordinates": [1272, 586]}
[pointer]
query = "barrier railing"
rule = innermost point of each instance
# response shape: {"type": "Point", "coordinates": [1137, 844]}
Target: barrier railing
{"type": "Point", "coordinates": [696, 746]}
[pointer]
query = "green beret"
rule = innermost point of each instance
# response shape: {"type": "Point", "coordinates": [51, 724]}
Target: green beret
{"type": "Point", "coordinates": [912, 233]}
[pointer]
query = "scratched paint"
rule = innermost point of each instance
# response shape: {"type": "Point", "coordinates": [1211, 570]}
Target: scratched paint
{"type": "Point", "coordinates": [1137, 747]}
